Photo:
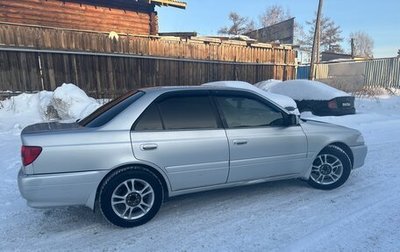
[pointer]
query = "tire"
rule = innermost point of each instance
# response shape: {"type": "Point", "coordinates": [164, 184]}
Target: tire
{"type": "Point", "coordinates": [130, 197]}
{"type": "Point", "coordinates": [330, 169]}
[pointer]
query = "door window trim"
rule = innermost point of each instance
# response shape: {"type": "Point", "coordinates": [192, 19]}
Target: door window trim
{"type": "Point", "coordinates": [248, 95]}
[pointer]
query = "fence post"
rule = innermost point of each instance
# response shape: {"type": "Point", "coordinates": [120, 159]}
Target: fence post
{"type": "Point", "coordinates": [41, 71]}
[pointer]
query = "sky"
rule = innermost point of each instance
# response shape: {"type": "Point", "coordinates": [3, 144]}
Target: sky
{"type": "Point", "coordinates": [380, 19]}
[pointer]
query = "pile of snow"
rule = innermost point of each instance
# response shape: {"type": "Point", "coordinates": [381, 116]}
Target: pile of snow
{"type": "Point", "coordinates": [268, 84]}
{"type": "Point", "coordinates": [303, 89]}
{"type": "Point", "coordinates": [24, 109]}
{"type": "Point", "coordinates": [281, 100]}
{"type": "Point", "coordinates": [389, 104]}
{"type": "Point", "coordinates": [378, 92]}
{"type": "Point", "coordinates": [65, 103]}
{"type": "Point", "coordinates": [71, 102]}
{"type": "Point", "coordinates": [33, 104]}
{"type": "Point", "coordinates": [241, 37]}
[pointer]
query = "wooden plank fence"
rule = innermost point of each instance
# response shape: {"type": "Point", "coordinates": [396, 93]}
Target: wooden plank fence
{"type": "Point", "coordinates": [33, 58]}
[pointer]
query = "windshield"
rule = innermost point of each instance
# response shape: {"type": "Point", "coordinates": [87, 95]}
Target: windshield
{"type": "Point", "coordinates": [108, 111]}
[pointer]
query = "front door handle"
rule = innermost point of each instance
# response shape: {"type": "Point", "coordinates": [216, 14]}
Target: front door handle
{"type": "Point", "coordinates": [240, 142]}
{"type": "Point", "coordinates": [148, 146]}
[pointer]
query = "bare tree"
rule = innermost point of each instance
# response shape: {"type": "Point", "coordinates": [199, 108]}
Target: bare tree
{"type": "Point", "coordinates": [273, 15]}
{"type": "Point", "coordinates": [363, 44]}
{"type": "Point", "coordinates": [331, 36]}
{"type": "Point", "coordinates": [240, 25]}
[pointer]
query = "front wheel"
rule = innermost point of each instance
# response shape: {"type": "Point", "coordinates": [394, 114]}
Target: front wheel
{"type": "Point", "coordinates": [330, 169]}
{"type": "Point", "coordinates": [130, 197]}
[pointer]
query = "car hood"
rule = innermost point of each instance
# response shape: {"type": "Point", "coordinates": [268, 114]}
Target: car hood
{"type": "Point", "coordinates": [316, 125]}
{"type": "Point", "coordinates": [321, 132]}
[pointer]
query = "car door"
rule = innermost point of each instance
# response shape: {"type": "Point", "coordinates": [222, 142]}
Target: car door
{"type": "Point", "coordinates": [182, 134]}
{"type": "Point", "coordinates": [260, 145]}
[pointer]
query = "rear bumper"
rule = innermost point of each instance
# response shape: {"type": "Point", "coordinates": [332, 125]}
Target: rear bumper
{"type": "Point", "coordinates": [359, 153]}
{"type": "Point", "coordinates": [64, 189]}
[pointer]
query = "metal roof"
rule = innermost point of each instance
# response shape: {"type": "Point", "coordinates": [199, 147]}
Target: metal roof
{"type": "Point", "coordinates": [172, 3]}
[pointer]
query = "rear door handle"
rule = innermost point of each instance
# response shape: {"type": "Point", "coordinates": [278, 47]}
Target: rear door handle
{"type": "Point", "coordinates": [148, 146]}
{"type": "Point", "coordinates": [240, 142]}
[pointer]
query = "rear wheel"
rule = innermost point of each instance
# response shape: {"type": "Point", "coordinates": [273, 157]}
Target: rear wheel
{"type": "Point", "coordinates": [130, 197]}
{"type": "Point", "coordinates": [330, 169]}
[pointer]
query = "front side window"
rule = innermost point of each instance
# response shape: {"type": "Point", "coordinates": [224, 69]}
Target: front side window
{"type": "Point", "coordinates": [244, 112]}
{"type": "Point", "coordinates": [188, 112]}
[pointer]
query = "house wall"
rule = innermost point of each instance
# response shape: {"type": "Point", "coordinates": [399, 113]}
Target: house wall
{"type": "Point", "coordinates": [134, 18]}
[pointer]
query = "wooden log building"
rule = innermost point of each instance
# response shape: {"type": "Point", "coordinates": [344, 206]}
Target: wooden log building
{"type": "Point", "coordinates": [120, 16]}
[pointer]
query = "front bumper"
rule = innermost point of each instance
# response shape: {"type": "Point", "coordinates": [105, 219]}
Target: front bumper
{"type": "Point", "coordinates": [359, 154]}
{"type": "Point", "coordinates": [62, 189]}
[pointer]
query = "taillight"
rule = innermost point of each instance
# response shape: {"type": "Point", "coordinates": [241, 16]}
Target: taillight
{"type": "Point", "coordinates": [30, 154]}
{"type": "Point", "coordinates": [332, 104]}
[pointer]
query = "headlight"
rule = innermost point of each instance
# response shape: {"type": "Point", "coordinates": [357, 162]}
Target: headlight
{"type": "Point", "coordinates": [360, 140]}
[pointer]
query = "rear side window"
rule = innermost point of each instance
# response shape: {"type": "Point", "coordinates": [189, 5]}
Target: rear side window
{"type": "Point", "coordinates": [189, 112]}
{"type": "Point", "coordinates": [150, 120]}
{"type": "Point", "coordinates": [240, 112]}
{"type": "Point", "coordinates": [107, 112]}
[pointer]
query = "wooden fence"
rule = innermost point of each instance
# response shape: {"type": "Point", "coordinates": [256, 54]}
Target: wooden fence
{"type": "Point", "coordinates": [33, 58]}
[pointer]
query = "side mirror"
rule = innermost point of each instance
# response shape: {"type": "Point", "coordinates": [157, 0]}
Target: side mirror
{"type": "Point", "coordinates": [292, 120]}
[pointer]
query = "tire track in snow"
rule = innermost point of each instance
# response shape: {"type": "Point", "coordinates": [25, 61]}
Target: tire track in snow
{"type": "Point", "coordinates": [321, 239]}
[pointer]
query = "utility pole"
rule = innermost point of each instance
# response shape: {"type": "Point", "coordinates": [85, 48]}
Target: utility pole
{"type": "Point", "coordinates": [316, 41]}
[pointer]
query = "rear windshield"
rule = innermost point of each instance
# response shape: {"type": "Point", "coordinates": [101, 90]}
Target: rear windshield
{"type": "Point", "coordinates": [108, 111]}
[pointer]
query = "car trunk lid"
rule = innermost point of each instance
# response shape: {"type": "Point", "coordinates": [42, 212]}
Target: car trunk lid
{"type": "Point", "coordinates": [49, 126]}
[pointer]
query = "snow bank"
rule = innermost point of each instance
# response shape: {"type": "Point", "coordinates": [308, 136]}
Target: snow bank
{"type": "Point", "coordinates": [33, 104]}
{"type": "Point", "coordinates": [24, 109]}
{"type": "Point", "coordinates": [71, 102]}
{"type": "Point", "coordinates": [304, 90]}
{"type": "Point", "coordinates": [268, 84]}
{"type": "Point", "coordinates": [282, 100]}
{"type": "Point", "coordinates": [389, 104]}
{"type": "Point", "coordinates": [65, 103]}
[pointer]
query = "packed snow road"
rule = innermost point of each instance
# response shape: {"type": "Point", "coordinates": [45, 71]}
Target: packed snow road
{"type": "Point", "coordinates": [364, 214]}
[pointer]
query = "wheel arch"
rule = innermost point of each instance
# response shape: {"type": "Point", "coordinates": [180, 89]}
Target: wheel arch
{"type": "Point", "coordinates": [347, 155]}
{"type": "Point", "coordinates": [345, 148]}
{"type": "Point", "coordinates": [92, 201]}
{"type": "Point", "coordinates": [338, 144]}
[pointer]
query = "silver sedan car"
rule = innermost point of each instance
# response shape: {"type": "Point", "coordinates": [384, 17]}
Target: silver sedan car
{"type": "Point", "coordinates": [131, 154]}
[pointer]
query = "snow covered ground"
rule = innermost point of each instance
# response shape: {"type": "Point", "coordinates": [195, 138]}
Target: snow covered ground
{"type": "Point", "coordinates": [362, 215]}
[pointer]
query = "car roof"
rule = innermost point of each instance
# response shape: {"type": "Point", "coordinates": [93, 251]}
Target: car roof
{"type": "Point", "coordinates": [166, 89]}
